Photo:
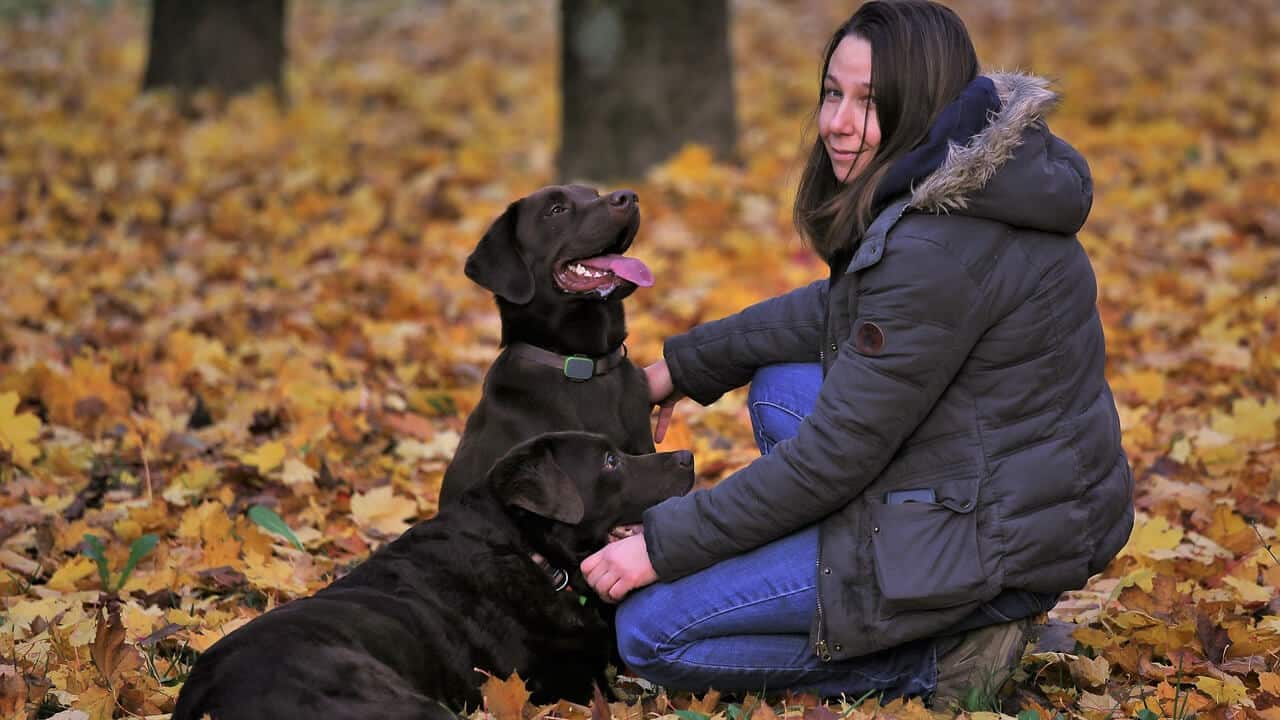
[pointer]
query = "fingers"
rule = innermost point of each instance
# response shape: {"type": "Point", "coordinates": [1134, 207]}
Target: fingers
{"type": "Point", "coordinates": [664, 421]}
{"type": "Point", "coordinates": [602, 578]}
{"type": "Point", "coordinates": [659, 378]}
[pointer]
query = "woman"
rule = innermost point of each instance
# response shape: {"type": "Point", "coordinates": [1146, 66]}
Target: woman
{"type": "Point", "coordinates": [958, 463]}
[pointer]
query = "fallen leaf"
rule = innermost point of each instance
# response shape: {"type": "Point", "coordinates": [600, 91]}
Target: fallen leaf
{"type": "Point", "coordinates": [505, 699]}
{"type": "Point", "coordinates": [266, 458]}
{"type": "Point", "coordinates": [1228, 692]}
{"type": "Point", "coordinates": [1089, 672]}
{"type": "Point", "coordinates": [18, 431]}
{"type": "Point", "coordinates": [381, 510]}
{"type": "Point", "coordinates": [111, 655]}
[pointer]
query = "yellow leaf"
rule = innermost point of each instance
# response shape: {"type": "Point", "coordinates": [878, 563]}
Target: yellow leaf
{"type": "Point", "coordinates": [1249, 592]}
{"type": "Point", "coordinates": [191, 484]}
{"type": "Point", "coordinates": [1152, 534]}
{"type": "Point", "coordinates": [270, 573]}
{"type": "Point", "coordinates": [97, 702]}
{"type": "Point", "coordinates": [1147, 384]}
{"type": "Point", "coordinates": [1231, 691]}
{"type": "Point", "coordinates": [1269, 682]}
{"type": "Point", "coordinates": [380, 510]}
{"type": "Point", "coordinates": [1249, 420]}
{"type": "Point", "coordinates": [18, 431]}
{"type": "Point", "coordinates": [72, 572]}
{"type": "Point", "coordinates": [205, 639]}
{"type": "Point", "coordinates": [266, 458]}
{"type": "Point", "coordinates": [140, 621]}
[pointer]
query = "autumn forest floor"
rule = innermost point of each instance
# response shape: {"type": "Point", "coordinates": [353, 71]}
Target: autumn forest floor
{"type": "Point", "coordinates": [265, 309]}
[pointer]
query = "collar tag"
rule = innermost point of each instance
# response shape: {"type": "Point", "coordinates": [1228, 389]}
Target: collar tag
{"type": "Point", "coordinates": [579, 368]}
{"type": "Point", "coordinates": [560, 579]}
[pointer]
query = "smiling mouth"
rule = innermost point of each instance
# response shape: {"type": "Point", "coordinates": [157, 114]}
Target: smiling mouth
{"type": "Point", "coordinates": [601, 274]}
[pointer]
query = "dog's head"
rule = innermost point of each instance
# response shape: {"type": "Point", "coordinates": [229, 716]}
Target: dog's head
{"type": "Point", "coordinates": [567, 490]}
{"type": "Point", "coordinates": [562, 240]}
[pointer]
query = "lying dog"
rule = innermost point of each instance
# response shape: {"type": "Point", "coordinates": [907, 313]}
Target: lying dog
{"type": "Point", "coordinates": [554, 262]}
{"type": "Point", "coordinates": [405, 630]}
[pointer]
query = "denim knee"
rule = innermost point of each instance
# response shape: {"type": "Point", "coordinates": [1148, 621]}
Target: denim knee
{"type": "Point", "coordinates": [778, 400]}
{"type": "Point", "coordinates": [639, 649]}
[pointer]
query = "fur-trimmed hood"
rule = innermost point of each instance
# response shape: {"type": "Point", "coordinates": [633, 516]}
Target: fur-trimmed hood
{"type": "Point", "coordinates": [1014, 170]}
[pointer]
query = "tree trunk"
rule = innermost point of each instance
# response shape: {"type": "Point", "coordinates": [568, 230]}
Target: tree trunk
{"type": "Point", "coordinates": [639, 79]}
{"type": "Point", "coordinates": [226, 45]}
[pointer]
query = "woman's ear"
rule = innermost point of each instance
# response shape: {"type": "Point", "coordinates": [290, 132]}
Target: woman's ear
{"type": "Point", "coordinates": [497, 265]}
{"type": "Point", "coordinates": [529, 477]}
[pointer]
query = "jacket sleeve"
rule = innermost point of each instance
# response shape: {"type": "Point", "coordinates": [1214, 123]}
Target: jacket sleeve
{"type": "Point", "coordinates": [929, 310]}
{"type": "Point", "coordinates": [722, 355]}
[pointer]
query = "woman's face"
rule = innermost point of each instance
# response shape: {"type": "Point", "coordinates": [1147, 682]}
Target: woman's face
{"type": "Point", "coordinates": [847, 120]}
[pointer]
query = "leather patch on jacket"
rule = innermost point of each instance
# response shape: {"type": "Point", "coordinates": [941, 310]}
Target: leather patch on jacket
{"type": "Point", "coordinates": [868, 339]}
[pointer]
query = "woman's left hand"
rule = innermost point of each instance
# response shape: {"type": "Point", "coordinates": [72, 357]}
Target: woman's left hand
{"type": "Point", "coordinates": [619, 568]}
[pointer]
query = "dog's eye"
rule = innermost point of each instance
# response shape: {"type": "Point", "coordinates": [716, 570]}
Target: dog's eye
{"type": "Point", "coordinates": [610, 461]}
{"type": "Point", "coordinates": [556, 209]}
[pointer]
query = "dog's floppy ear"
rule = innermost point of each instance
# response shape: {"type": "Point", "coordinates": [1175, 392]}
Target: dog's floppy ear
{"type": "Point", "coordinates": [496, 263]}
{"type": "Point", "coordinates": [529, 477]}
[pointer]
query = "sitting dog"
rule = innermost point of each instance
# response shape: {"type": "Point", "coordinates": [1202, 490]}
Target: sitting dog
{"type": "Point", "coordinates": [407, 630]}
{"type": "Point", "coordinates": [554, 260]}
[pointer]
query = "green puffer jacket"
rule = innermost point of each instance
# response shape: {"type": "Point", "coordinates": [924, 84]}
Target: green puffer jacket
{"type": "Point", "coordinates": [963, 354]}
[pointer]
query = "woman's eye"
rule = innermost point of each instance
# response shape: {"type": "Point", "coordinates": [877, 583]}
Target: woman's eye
{"type": "Point", "coordinates": [831, 94]}
{"type": "Point", "coordinates": [610, 461]}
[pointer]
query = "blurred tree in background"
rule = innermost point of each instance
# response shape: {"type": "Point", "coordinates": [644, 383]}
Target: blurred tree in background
{"type": "Point", "coordinates": [226, 45]}
{"type": "Point", "coordinates": [639, 79]}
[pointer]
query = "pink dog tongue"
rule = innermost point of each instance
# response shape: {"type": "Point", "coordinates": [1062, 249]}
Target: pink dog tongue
{"type": "Point", "coordinates": [624, 267]}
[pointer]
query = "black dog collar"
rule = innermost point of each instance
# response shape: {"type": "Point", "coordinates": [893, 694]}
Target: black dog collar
{"type": "Point", "coordinates": [558, 577]}
{"type": "Point", "coordinates": [578, 368]}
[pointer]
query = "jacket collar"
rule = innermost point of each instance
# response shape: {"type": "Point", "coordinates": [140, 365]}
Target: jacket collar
{"type": "Point", "coordinates": [1024, 101]}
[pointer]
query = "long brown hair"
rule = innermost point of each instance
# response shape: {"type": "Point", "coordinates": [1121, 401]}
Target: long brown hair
{"type": "Point", "coordinates": [921, 59]}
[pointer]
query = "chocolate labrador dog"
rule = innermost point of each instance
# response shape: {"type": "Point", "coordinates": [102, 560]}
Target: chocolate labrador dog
{"type": "Point", "coordinates": [403, 634]}
{"type": "Point", "coordinates": [554, 261]}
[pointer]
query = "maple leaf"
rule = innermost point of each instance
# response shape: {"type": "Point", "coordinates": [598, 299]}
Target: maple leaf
{"type": "Point", "coordinates": [1250, 419]}
{"type": "Point", "coordinates": [1152, 534]}
{"type": "Point", "coordinates": [18, 431]}
{"type": "Point", "coordinates": [1227, 691]}
{"type": "Point", "coordinates": [505, 699]}
{"type": "Point", "coordinates": [266, 458]}
{"type": "Point", "coordinates": [382, 511]}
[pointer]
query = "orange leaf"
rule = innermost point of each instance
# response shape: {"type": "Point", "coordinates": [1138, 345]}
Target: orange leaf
{"type": "Point", "coordinates": [505, 699]}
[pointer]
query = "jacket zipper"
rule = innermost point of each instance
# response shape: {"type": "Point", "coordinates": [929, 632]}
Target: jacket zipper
{"type": "Point", "coordinates": [820, 648]}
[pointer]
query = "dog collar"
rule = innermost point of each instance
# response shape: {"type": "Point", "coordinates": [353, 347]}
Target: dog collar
{"type": "Point", "coordinates": [558, 577]}
{"type": "Point", "coordinates": [578, 368]}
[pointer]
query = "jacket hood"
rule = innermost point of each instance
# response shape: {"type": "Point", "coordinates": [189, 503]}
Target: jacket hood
{"type": "Point", "coordinates": [1013, 170]}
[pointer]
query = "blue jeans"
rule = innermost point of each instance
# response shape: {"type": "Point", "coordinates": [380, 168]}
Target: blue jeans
{"type": "Point", "coordinates": [743, 623]}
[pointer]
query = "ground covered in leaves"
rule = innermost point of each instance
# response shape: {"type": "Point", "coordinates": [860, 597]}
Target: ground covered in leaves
{"type": "Point", "coordinates": [236, 349]}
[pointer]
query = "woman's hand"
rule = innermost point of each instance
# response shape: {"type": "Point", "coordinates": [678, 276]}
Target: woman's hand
{"type": "Point", "coordinates": [619, 568]}
{"type": "Point", "coordinates": [662, 392]}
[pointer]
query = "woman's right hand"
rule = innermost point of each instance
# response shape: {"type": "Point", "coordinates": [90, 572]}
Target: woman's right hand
{"type": "Point", "coordinates": [662, 392]}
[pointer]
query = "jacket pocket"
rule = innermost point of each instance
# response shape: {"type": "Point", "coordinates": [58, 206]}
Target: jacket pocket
{"type": "Point", "coordinates": [926, 553]}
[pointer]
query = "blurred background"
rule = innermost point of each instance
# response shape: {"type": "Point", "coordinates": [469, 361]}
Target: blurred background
{"type": "Point", "coordinates": [231, 247]}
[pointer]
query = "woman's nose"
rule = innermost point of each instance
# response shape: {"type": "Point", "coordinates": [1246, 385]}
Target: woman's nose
{"type": "Point", "coordinates": [846, 120]}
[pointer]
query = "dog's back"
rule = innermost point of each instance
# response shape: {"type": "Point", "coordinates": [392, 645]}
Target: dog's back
{"type": "Point", "coordinates": [396, 637]}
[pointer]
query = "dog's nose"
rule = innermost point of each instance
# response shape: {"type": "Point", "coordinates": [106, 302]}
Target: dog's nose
{"type": "Point", "coordinates": [623, 198]}
{"type": "Point", "coordinates": [683, 458]}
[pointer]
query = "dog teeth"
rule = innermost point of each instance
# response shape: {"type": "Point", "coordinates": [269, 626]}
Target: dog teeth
{"type": "Point", "coordinates": [584, 271]}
